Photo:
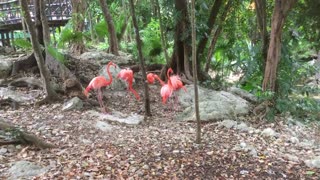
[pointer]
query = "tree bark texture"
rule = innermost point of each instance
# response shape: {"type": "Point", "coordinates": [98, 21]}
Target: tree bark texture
{"type": "Point", "coordinates": [78, 7]}
{"type": "Point", "coordinates": [216, 35]}
{"type": "Point", "coordinates": [51, 94]}
{"type": "Point", "coordinates": [182, 34]}
{"type": "Point", "coordinates": [204, 39]}
{"type": "Point", "coordinates": [44, 23]}
{"type": "Point", "coordinates": [163, 39]}
{"type": "Point", "coordinates": [280, 12]}
{"type": "Point", "coordinates": [194, 66]}
{"type": "Point", "coordinates": [142, 64]}
{"type": "Point", "coordinates": [38, 24]}
{"type": "Point", "coordinates": [113, 41]}
{"type": "Point", "coordinates": [261, 10]}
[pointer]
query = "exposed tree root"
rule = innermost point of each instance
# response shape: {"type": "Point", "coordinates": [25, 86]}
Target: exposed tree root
{"type": "Point", "coordinates": [48, 100]}
{"type": "Point", "coordinates": [22, 137]}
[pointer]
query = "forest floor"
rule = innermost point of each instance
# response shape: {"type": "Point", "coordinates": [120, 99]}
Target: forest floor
{"type": "Point", "coordinates": [158, 148]}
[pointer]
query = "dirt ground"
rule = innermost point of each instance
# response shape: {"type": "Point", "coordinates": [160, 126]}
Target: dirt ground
{"type": "Point", "coordinates": [158, 148]}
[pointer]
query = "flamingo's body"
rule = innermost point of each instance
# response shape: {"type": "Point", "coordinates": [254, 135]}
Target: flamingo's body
{"type": "Point", "coordinates": [152, 77]}
{"type": "Point", "coordinates": [97, 83]}
{"type": "Point", "coordinates": [166, 90]}
{"type": "Point", "coordinates": [175, 81]}
{"type": "Point", "coordinates": [127, 75]}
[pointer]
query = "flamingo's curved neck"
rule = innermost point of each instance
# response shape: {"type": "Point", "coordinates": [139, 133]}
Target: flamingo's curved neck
{"type": "Point", "coordinates": [157, 77]}
{"type": "Point", "coordinates": [168, 76]}
{"type": "Point", "coordinates": [109, 74]}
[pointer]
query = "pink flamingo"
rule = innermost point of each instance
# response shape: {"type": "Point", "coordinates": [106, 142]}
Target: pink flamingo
{"type": "Point", "coordinates": [176, 83]}
{"type": "Point", "coordinates": [97, 83]}
{"type": "Point", "coordinates": [166, 90]}
{"type": "Point", "coordinates": [127, 75]}
{"type": "Point", "coordinates": [152, 77]}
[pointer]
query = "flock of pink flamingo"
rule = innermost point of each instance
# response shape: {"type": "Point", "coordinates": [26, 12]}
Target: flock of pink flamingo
{"type": "Point", "coordinates": [174, 83]}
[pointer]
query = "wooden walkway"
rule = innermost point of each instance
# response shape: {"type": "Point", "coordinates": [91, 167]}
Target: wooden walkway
{"type": "Point", "coordinates": [58, 13]}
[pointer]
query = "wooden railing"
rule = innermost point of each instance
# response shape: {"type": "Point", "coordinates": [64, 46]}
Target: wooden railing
{"type": "Point", "coordinates": [10, 12]}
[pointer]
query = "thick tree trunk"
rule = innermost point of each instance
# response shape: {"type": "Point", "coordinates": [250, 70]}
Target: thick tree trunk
{"type": "Point", "coordinates": [182, 34]}
{"type": "Point", "coordinates": [163, 37]}
{"type": "Point", "coordinates": [261, 10]}
{"type": "Point", "coordinates": [280, 12]}
{"type": "Point", "coordinates": [204, 39]}
{"type": "Point", "coordinates": [38, 24]}
{"type": "Point", "coordinates": [78, 7]}
{"type": "Point", "coordinates": [142, 64]}
{"type": "Point", "coordinates": [216, 35]}
{"type": "Point", "coordinates": [123, 29]}
{"type": "Point", "coordinates": [113, 41]}
{"type": "Point", "coordinates": [194, 66]}
{"type": "Point", "coordinates": [51, 94]}
{"type": "Point", "coordinates": [22, 137]}
{"type": "Point", "coordinates": [44, 23]}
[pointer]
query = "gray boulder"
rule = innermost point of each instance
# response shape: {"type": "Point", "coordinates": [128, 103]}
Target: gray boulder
{"type": "Point", "coordinates": [74, 103]}
{"type": "Point", "coordinates": [117, 84]}
{"type": "Point", "coordinates": [6, 93]}
{"type": "Point", "coordinates": [103, 57]}
{"type": "Point", "coordinates": [103, 126]}
{"type": "Point", "coordinates": [5, 68]}
{"type": "Point", "coordinates": [244, 94]}
{"type": "Point", "coordinates": [115, 116]}
{"type": "Point", "coordinates": [213, 105]}
{"type": "Point", "coordinates": [313, 163]}
{"type": "Point", "coordinates": [26, 169]}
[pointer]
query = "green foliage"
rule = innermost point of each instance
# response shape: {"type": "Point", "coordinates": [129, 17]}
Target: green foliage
{"type": "Point", "coordinates": [101, 29]}
{"type": "Point", "coordinates": [56, 54]}
{"type": "Point", "coordinates": [68, 36]}
{"type": "Point", "coordinates": [23, 43]}
{"type": "Point", "coordinates": [151, 43]}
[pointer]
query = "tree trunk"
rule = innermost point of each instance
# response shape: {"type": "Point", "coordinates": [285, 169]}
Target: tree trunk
{"type": "Point", "coordinates": [204, 39]}
{"type": "Point", "coordinates": [216, 35]}
{"type": "Point", "coordinates": [22, 137]}
{"type": "Point", "coordinates": [123, 29]}
{"type": "Point", "coordinates": [261, 10]}
{"type": "Point", "coordinates": [180, 40]}
{"type": "Point", "coordinates": [280, 12]}
{"type": "Point", "coordinates": [194, 66]}
{"type": "Point", "coordinates": [113, 41]}
{"type": "Point", "coordinates": [78, 7]}
{"type": "Point", "coordinates": [142, 64]}
{"type": "Point", "coordinates": [38, 24]}
{"type": "Point", "coordinates": [50, 93]}
{"type": "Point", "coordinates": [44, 24]}
{"type": "Point", "coordinates": [163, 39]}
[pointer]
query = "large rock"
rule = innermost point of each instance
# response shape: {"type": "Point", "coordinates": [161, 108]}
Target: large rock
{"type": "Point", "coordinates": [130, 119]}
{"type": "Point", "coordinates": [5, 68]}
{"type": "Point", "coordinates": [104, 57]}
{"type": "Point", "coordinates": [313, 163]}
{"type": "Point", "coordinates": [117, 84]}
{"type": "Point", "coordinates": [213, 105]}
{"type": "Point", "coordinates": [74, 103]}
{"type": "Point", "coordinates": [26, 169]}
{"type": "Point", "coordinates": [6, 93]}
{"type": "Point", "coordinates": [244, 94]}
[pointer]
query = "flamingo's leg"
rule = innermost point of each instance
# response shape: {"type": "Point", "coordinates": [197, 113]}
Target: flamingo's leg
{"type": "Point", "coordinates": [103, 109]}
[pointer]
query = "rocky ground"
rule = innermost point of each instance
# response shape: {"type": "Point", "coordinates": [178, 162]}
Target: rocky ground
{"type": "Point", "coordinates": [94, 146]}
{"type": "Point", "coordinates": [157, 148]}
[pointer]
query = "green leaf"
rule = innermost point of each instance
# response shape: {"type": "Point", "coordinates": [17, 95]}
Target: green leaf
{"type": "Point", "coordinates": [310, 172]}
{"type": "Point", "coordinates": [23, 43]}
{"type": "Point", "coordinates": [56, 54]}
